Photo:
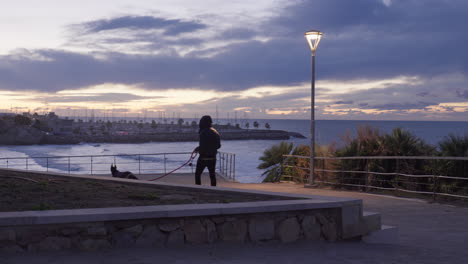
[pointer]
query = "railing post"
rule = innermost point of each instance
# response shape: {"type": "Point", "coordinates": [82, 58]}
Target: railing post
{"type": "Point", "coordinates": [26, 163]}
{"type": "Point", "coordinates": [164, 157]}
{"type": "Point", "coordinates": [7, 163]}
{"type": "Point", "coordinates": [226, 165]}
{"type": "Point", "coordinates": [342, 172]}
{"type": "Point", "coordinates": [323, 170]}
{"type": "Point", "coordinates": [234, 168]}
{"type": "Point", "coordinates": [434, 184]}
{"type": "Point", "coordinates": [367, 175]}
{"type": "Point", "coordinates": [397, 171]}
{"type": "Point", "coordinates": [139, 165]}
{"type": "Point", "coordinates": [91, 165]}
{"type": "Point", "coordinates": [47, 164]}
{"type": "Point", "coordinates": [230, 166]}
{"type": "Point", "coordinates": [221, 164]}
{"type": "Point", "coordinates": [68, 164]}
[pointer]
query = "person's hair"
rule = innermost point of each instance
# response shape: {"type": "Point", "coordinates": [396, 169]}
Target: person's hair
{"type": "Point", "coordinates": [205, 122]}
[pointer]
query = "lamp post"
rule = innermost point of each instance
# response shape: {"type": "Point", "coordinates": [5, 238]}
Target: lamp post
{"type": "Point", "coordinates": [313, 38]}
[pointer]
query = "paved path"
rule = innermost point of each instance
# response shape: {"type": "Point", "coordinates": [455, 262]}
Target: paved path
{"type": "Point", "coordinates": [428, 233]}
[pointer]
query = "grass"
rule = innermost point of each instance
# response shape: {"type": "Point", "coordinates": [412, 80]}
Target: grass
{"type": "Point", "coordinates": [53, 193]}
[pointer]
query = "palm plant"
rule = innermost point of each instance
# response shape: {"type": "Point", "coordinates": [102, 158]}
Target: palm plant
{"type": "Point", "coordinates": [401, 142]}
{"type": "Point", "coordinates": [271, 161]}
{"type": "Point", "coordinates": [453, 146]}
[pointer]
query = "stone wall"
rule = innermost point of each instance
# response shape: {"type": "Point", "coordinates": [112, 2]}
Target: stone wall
{"type": "Point", "coordinates": [286, 227]}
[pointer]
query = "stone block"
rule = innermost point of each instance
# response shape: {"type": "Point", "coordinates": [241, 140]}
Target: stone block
{"type": "Point", "coordinates": [7, 234]}
{"type": "Point", "coordinates": [70, 231]}
{"type": "Point", "coordinates": [11, 249]}
{"type": "Point", "coordinates": [289, 230]}
{"type": "Point", "coordinates": [195, 232]}
{"type": "Point", "coordinates": [134, 230]}
{"type": "Point", "coordinates": [176, 238]}
{"type": "Point", "coordinates": [94, 244]}
{"type": "Point", "coordinates": [96, 231]}
{"type": "Point", "coordinates": [123, 239]}
{"type": "Point", "coordinates": [329, 231]}
{"type": "Point", "coordinates": [218, 219]}
{"type": "Point", "coordinates": [261, 228]}
{"type": "Point", "coordinates": [51, 244]}
{"type": "Point", "coordinates": [233, 231]}
{"type": "Point", "coordinates": [151, 236]}
{"type": "Point", "coordinates": [28, 236]}
{"type": "Point", "coordinates": [169, 226]}
{"type": "Point", "coordinates": [311, 228]}
{"type": "Point", "coordinates": [211, 233]}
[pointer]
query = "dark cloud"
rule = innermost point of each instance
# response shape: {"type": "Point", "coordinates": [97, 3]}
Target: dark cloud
{"type": "Point", "coordinates": [238, 33]}
{"type": "Point", "coordinates": [462, 94]}
{"type": "Point", "coordinates": [171, 26]}
{"type": "Point", "coordinates": [343, 102]}
{"type": "Point", "coordinates": [363, 39]}
{"type": "Point", "coordinates": [401, 106]}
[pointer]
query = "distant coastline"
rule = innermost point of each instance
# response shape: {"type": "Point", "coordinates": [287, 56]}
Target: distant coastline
{"type": "Point", "coordinates": [242, 134]}
{"type": "Point", "coordinates": [49, 129]}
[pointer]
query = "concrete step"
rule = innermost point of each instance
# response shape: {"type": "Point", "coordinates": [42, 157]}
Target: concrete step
{"type": "Point", "coordinates": [367, 223]}
{"type": "Point", "coordinates": [386, 235]}
{"type": "Point", "coordinates": [372, 221]}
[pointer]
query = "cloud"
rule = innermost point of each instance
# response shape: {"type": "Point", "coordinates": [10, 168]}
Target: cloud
{"type": "Point", "coordinates": [343, 102]}
{"type": "Point", "coordinates": [363, 40]}
{"type": "Point", "coordinates": [462, 94]}
{"type": "Point", "coordinates": [238, 33]}
{"type": "Point", "coordinates": [401, 106]}
{"type": "Point", "coordinates": [96, 98]}
{"type": "Point", "coordinates": [170, 26]}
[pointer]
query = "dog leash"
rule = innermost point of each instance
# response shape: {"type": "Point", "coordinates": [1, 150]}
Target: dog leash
{"type": "Point", "coordinates": [192, 156]}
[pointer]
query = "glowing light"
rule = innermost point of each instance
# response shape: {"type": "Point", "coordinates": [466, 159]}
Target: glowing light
{"type": "Point", "coordinates": [313, 38]}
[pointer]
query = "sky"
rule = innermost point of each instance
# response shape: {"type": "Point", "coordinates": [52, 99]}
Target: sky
{"type": "Point", "coordinates": [377, 60]}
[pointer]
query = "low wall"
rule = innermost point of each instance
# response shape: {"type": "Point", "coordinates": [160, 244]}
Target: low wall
{"type": "Point", "coordinates": [284, 227]}
{"type": "Point", "coordinates": [306, 218]}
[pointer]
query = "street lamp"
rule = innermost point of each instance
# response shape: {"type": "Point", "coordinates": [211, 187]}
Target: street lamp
{"type": "Point", "coordinates": [313, 39]}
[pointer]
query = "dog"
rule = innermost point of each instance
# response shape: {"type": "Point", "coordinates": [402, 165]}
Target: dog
{"type": "Point", "coordinates": [124, 174]}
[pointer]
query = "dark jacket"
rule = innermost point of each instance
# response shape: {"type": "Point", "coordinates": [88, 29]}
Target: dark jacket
{"type": "Point", "coordinates": [210, 142]}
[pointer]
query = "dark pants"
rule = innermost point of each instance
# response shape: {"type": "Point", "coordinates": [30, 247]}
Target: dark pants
{"type": "Point", "coordinates": [201, 164]}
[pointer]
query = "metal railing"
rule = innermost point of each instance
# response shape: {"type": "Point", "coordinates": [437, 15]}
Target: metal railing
{"type": "Point", "coordinates": [227, 166]}
{"type": "Point", "coordinates": [154, 163]}
{"type": "Point", "coordinates": [435, 176]}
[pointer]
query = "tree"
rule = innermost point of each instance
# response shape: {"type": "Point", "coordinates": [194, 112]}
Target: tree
{"type": "Point", "coordinates": [271, 161]}
{"type": "Point", "coordinates": [140, 126]}
{"type": "Point", "coordinates": [454, 146]}
{"type": "Point", "coordinates": [153, 124]}
{"type": "Point", "coordinates": [267, 126]}
{"type": "Point", "coordinates": [22, 120]}
{"type": "Point", "coordinates": [255, 124]}
{"type": "Point", "coordinates": [247, 125]}
{"type": "Point", "coordinates": [109, 125]}
{"type": "Point", "coordinates": [237, 126]}
{"type": "Point", "coordinates": [194, 123]}
{"type": "Point", "coordinates": [180, 122]}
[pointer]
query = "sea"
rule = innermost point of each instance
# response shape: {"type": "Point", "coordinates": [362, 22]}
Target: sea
{"type": "Point", "coordinates": [247, 151]}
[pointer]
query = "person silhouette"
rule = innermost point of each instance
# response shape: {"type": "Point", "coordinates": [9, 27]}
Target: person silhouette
{"type": "Point", "coordinates": [209, 144]}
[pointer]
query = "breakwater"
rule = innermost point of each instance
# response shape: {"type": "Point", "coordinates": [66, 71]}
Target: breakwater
{"type": "Point", "coordinates": [167, 137]}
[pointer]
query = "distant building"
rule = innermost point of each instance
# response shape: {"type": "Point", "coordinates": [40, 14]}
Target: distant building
{"type": "Point", "coordinates": [55, 124]}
